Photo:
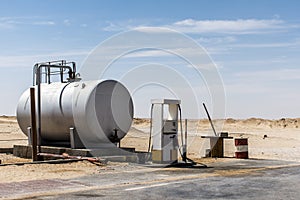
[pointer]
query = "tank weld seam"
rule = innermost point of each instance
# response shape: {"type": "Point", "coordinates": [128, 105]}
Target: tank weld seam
{"type": "Point", "coordinates": [60, 99]}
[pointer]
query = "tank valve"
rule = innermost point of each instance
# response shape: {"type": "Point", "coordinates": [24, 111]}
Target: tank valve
{"type": "Point", "coordinates": [115, 138]}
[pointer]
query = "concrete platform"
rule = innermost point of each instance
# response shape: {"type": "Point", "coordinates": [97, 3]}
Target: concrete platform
{"type": "Point", "coordinates": [110, 154]}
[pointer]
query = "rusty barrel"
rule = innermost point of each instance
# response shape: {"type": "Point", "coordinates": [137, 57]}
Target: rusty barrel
{"type": "Point", "coordinates": [241, 148]}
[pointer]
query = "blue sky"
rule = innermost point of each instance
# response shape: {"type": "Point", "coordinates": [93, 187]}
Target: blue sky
{"type": "Point", "coordinates": [255, 44]}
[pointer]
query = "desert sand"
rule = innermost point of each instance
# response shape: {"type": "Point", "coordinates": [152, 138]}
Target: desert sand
{"type": "Point", "coordinates": [281, 142]}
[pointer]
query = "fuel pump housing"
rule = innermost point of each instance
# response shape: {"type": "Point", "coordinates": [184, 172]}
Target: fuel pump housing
{"type": "Point", "coordinates": [164, 114]}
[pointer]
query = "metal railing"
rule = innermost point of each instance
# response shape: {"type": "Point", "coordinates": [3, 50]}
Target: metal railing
{"type": "Point", "coordinates": [62, 68]}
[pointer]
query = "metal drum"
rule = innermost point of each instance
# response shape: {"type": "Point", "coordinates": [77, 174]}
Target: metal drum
{"type": "Point", "coordinates": [241, 148]}
{"type": "Point", "coordinates": [96, 109]}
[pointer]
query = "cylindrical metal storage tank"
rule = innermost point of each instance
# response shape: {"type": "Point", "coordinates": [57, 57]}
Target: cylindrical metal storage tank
{"type": "Point", "coordinates": [93, 108]}
{"type": "Point", "coordinates": [241, 148]}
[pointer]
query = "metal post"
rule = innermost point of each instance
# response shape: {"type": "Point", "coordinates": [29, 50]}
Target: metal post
{"type": "Point", "coordinates": [29, 135]}
{"type": "Point", "coordinates": [185, 142]}
{"type": "Point", "coordinates": [33, 125]}
{"type": "Point", "coordinates": [211, 123]}
{"type": "Point", "coordinates": [39, 138]}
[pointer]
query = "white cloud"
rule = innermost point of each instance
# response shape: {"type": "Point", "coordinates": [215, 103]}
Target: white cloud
{"type": "Point", "coordinates": [30, 60]}
{"type": "Point", "coordinates": [270, 75]}
{"type": "Point", "coordinates": [4, 26]}
{"type": "Point", "coordinates": [216, 40]}
{"type": "Point", "coordinates": [13, 22]}
{"type": "Point", "coordinates": [6, 23]}
{"type": "Point", "coordinates": [152, 29]}
{"type": "Point", "coordinates": [121, 26]}
{"type": "Point", "coordinates": [67, 22]}
{"type": "Point", "coordinates": [125, 25]}
{"type": "Point", "coordinates": [239, 26]}
{"type": "Point", "coordinates": [215, 46]}
{"type": "Point", "coordinates": [267, 45]}
{"type": "Point", "coordinates": [148, 53]}
{"type": "Point", "coordinates": [44, 23]}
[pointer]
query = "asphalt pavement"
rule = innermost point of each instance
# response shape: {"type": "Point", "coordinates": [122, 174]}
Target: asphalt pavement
{"type": "Point", "coordinates": [232, 179]}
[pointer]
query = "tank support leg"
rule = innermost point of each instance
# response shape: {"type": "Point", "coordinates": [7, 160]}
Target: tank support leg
{"type": "Point", "coordinates": [75, 139]}
{"type": "Point", "coordinates": [29, 135]}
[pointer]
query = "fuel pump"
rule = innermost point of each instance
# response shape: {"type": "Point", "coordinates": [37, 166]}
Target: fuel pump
{"type": "Point", "coordinates": [164, 127]}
